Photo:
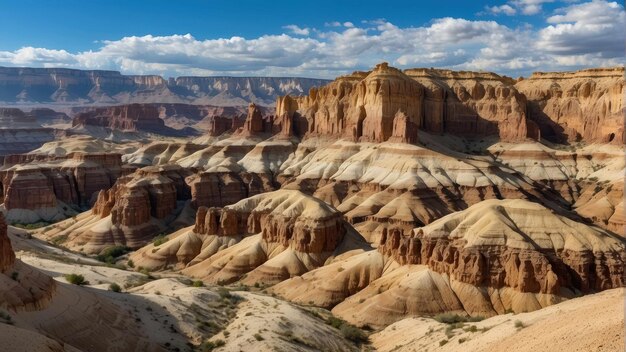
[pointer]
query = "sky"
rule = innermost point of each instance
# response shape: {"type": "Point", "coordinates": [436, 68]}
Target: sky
{"type": "Point", "coordinates": [319, 38]}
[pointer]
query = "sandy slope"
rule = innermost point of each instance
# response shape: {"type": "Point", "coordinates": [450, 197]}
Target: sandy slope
{"type": "Point", "coordinates": [590, 323]}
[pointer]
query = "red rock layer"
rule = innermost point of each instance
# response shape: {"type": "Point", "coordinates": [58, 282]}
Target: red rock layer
{"type": "Point", "coordinates": [216, 189]}
{"type": "Point", "coordinates": [132, 117]}
{"type": "Point", "coordinates": [39, 185]}
{"type": "Point", "coordinates": [7, 256]}
{"type": "Point", "coordinates": [149, 192]}
{"type": "Point", "coordinates": [257, 124]}
{"type": "Point", "coordinates": [363, 106]}
{"type": "Point", "coordinates": [303, 235]}
{"type": "Point", "coordinates": [583, 105]}
{"type": "Point", "coordinates": [498, 266]}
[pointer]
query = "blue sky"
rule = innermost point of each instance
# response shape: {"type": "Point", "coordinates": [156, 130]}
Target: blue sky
{"type": "Point", "coordinates": [310, 38]}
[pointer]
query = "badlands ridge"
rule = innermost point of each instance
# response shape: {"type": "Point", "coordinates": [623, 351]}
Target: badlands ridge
{"type": "Point", "coordinates": [355, 217]}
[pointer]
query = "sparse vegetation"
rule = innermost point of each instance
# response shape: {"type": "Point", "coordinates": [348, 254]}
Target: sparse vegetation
{"type": "Point", "coordinates": [110, 255]}
{"type": "Point", "coordinates": [32, 226]}
{"type": "Point", "coordinates": [6, 318]}
{"type": "Point", "coordinates": [348, 331]}
{"type": "Point", "coordinates": [443, 342]}
{"type": "Point", "coordinates": [197, 283]}
{"type": "Point", "coordinates": [160, 239]}
{"type": "Point", "coordinates": [115, 287]}
{"type": "Point", "coordinates": [519, 324]}
{"type": "Point", "coordinates": [15, 275]}
{"type": "Point", "coordinates": [224, 293]}
{"type": "Point", "coordinates": [258, 337]}
{"type": "Point", "coordinates": [211, 345]}
{"type": "Point", "coordinates": [449, 318]}
{"type": "Point", "coordinates": [76, 279]}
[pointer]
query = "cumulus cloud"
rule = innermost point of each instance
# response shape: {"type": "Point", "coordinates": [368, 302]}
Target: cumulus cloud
{"type": "Point", "coordinates": [576, 35]}
{"type": "Point", "coordinates": [596, 27]}
{"type": "Point", "coordinates": [297, 30]}
{"type": "Point", "coordinates": [530, 7]}
{"type": "Point", "coordinates": [505, 9]}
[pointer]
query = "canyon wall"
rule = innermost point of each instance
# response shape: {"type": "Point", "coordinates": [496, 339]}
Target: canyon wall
{"type": "Point", "coordinates": [78, 87]}
{"type": "Point", "coordinates": [363, 106]}
{"type": "Point", "coordinates": [585, 105]}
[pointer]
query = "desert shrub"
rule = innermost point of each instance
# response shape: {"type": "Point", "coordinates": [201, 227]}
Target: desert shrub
{"type": "Point", "coordinates": [15, 275]}
{"type": "Point", "coordinates": [197, 283]}
{"type": "Point", "coordinates": [6, 317]}
{"type": "Point", "coordinates": [519, 324]}
{"type": "Point", "coordinates": [443, 342]}
{"type": "Point", "coordinates": [353, 333]}
{"type": "Point", "coordinates": [449, 318]}
{"type": "Point", "coordinates": [32, 226]}
{"type": "Point", "coordinates": [159, 240]}
{"type": "Point", "coordinates": [208, 346]}
{"type": "Point", "coordinates": [224, 293]}
{"type": "Point", "coordinates": [471, 328]}
{"type": "Point", "coordinates": [258, 337]}
{"type": "Point", "coordinates": [76, 279]}
{"type": "Point", "coordinates": [110, 254]}
{"type": "Point", "coordinates": [348, 331]}
{"type": "Point", "coordinates": [130, 263]}
{"type": "Point", "coordinates": [115, 287]}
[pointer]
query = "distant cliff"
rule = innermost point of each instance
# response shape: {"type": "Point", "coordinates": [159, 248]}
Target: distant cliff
{"type": "Point", "coordinates": [69, 86]}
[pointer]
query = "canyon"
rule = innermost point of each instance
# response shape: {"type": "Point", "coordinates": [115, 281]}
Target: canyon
{"type": "Point", "coordinates": [384, 199]}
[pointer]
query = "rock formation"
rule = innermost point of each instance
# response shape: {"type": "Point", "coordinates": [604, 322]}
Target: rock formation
{"type": "Point", "coordinates": [46, 190]}
{"type": "Point", "coordinates": [20, 133]}
{"type": "Point", "coordinates": [133, 117]}
{"type": "Point", "coordinates": [362, 106]}
{"type": "Point", "coordinates": [516, 244]}
{"type": "Point", "coordinates": [268, 238]}
{"type": "Point", "coordinates": [7, 256]}
{"type": "Point", "coordinates": [137, 208]}
{"type": "Point", "coordinates": [68, 86]}
{"type": "Point", "coordinates": [585, 105]}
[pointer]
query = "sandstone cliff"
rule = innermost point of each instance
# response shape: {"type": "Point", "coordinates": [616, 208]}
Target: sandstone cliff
{"type": "Point", "coordinates": [516, 244]}
{"type": "Point", "coordinates": [135, 209]}
{"type": "Point", "coordinates": [80, 87]}
{"type": "Point", "coordinates": [363, 106]}
{"type": "Point", "coordinates": [265, 238]}
{"type": "Point", "coordinates": [586, 105]}
{"type": "Point", "coordinates": [7, 256]}
{"type": "Point", "coordinates": [21, 133]}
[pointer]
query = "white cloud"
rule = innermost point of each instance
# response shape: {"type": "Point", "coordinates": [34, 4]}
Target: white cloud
{"type": "Point", "coordinates": [502, 9]}
{"type": "Point", "coordinates": [297, 30]}
{"type": "Point", "coordinates": [596, 27]}
{"type": "Point", "coordinates": [530, 7]}
{"type": "Point", "coordinates": [578, 35]}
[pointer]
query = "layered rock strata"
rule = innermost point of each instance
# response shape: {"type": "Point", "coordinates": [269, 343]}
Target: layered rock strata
{"type": "Point", "coordinates": [363, 106]}
{"type": "Point", "coordinates": [585, 105]}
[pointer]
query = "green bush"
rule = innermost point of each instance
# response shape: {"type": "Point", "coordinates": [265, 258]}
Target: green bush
{"type": "Point", "coordinates": [197, 283]}
{"type": "Point", "coordinates": [130, 263]}
{"type": "Point", "coordinates": [159, 240]}
{"type": "Point", "coordinates": [519, 324]}
{"type": "Point", "coordinates": [258, 337]}
{"type": "Point", "coordinates": [115, 287]}
{"type": "Point", "coordinates": [353, 333]}
{"type": "Point", "coordinates": [208, 346]}
{"type": "Point", "coordinates": [224, 293]}
{"type": "Point", "coordinates": [110, 255]}
{"type": "Point", "coordinates": [348, 331]}
{"type": "Point", "coordinates": [76, 279]}
{"type": "Point", "coordinates": [449, 318]}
